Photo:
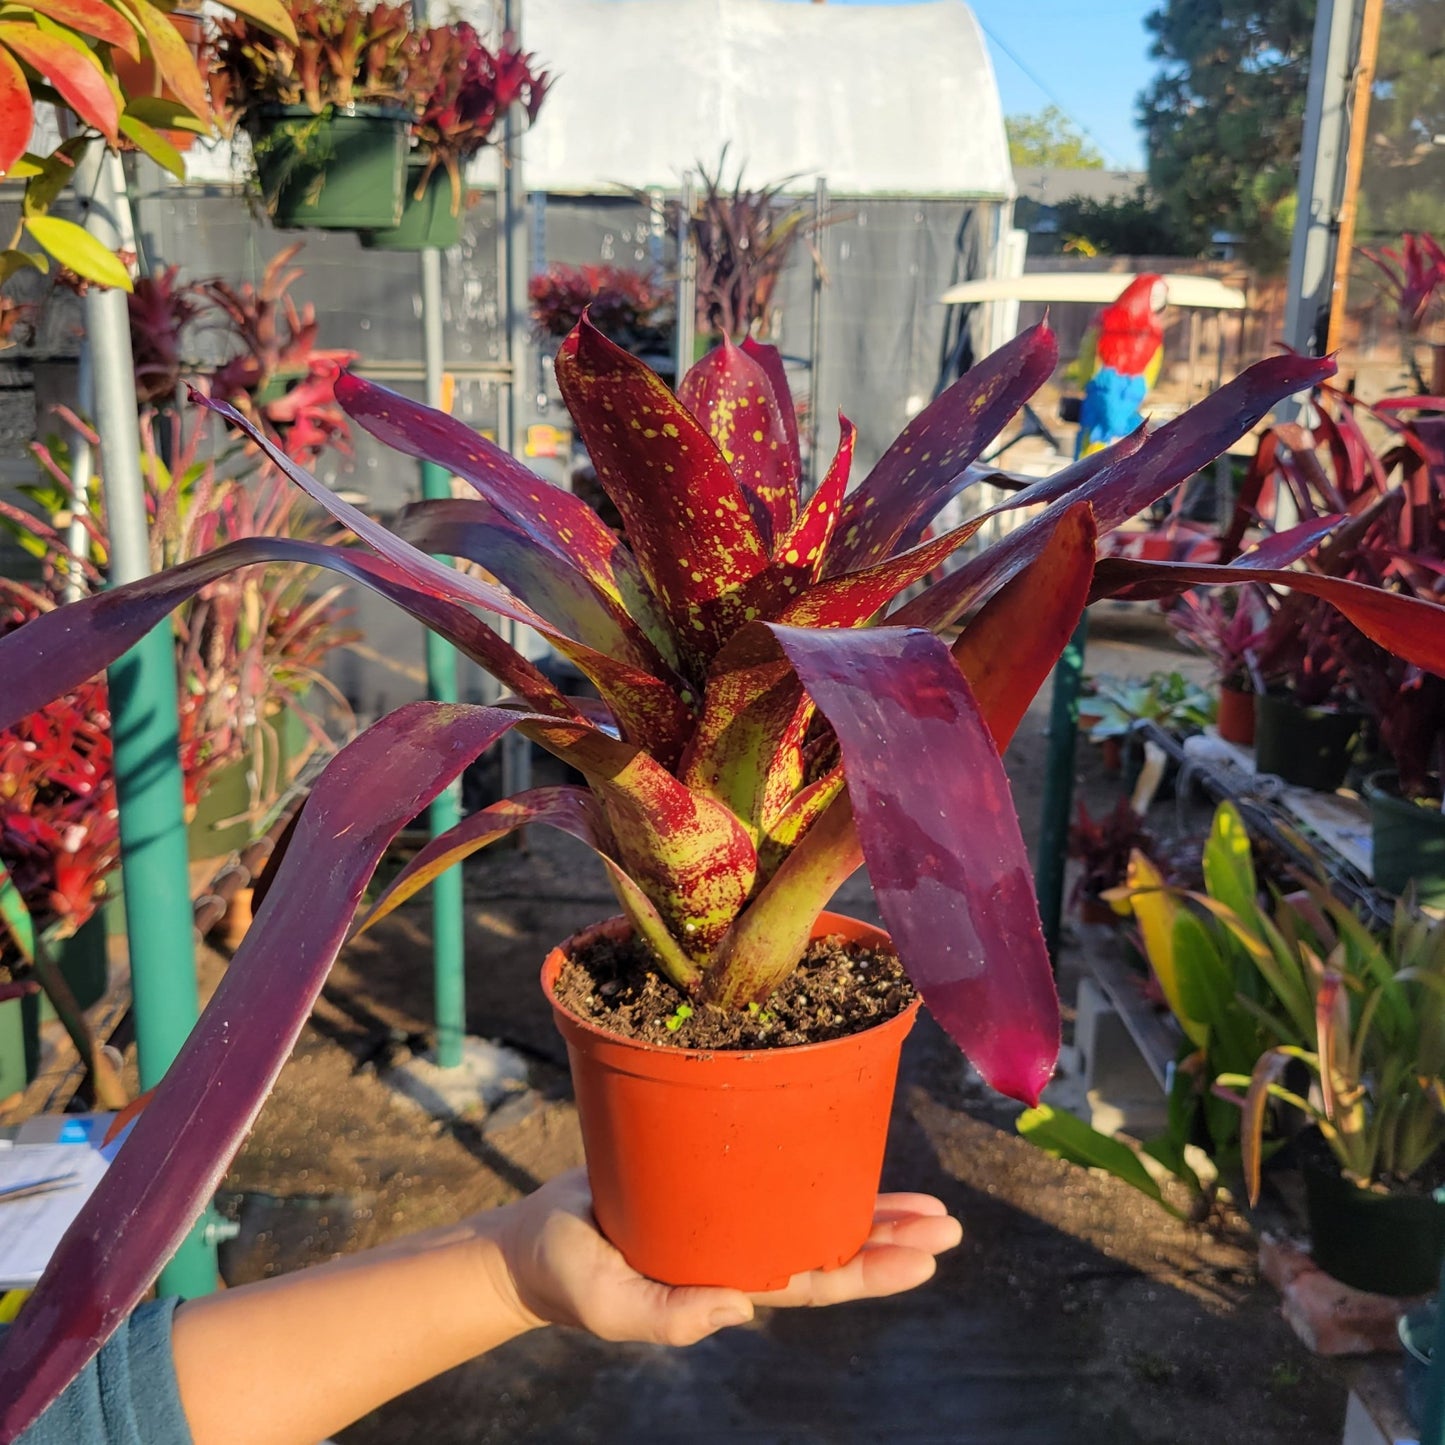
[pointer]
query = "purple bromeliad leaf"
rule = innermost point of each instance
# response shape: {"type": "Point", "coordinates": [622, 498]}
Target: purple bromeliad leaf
{"type": "Point", "coordinates": [1168, 457]}
{"type": "Point", "coordinates": [914, 477]}
{"type": "Point", "coordinates": [941, 838]}
{"type": "Point", "coordinates": [182, 1143]}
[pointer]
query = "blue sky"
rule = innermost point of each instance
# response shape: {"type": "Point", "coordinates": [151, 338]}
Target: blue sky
{"type": "Point", "coordinates": [1089, 59]}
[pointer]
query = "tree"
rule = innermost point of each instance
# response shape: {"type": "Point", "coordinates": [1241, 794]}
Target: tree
{"type": "Point", "coordinates": [1224, 117]}
{"type": "Point", "coordinates": [1124, 226]}
{"type": "Point", "coordinates": [1051, 140]}
{"type": "Point", "coordinates": [1403, 182]}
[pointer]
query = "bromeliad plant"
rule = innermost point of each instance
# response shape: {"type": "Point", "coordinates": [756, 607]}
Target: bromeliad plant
{"type": "Point", "coordinates": [757, 735]}
{"type": "Point", "coordinates": [461, 90]}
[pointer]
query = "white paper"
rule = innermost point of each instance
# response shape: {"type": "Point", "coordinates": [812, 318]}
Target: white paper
{"type": "Point", "coordinates": [31, 1227]}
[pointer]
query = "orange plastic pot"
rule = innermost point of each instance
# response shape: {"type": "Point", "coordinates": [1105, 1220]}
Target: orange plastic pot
{"type": "Point", "coordinates": [1236, 716]}
{"type": "Point", "coordinates": [732, 1168]}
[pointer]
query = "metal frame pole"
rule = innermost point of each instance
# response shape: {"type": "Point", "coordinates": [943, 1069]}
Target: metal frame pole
{"type": "Point", "coordinates": [1059, 786]}
{"type": "Point", "coordinates": [449, 963]}
{"type": "Point", "coordinates": [143, 711]}
{"type": "Point", "coordinates": [815, 329]}
{"type": "Point", "coordinates": [512, 271]}
{"type": "Point", "coordinates": [685, 328]}
{"type": "Point", "coordinates": [1323, 157]}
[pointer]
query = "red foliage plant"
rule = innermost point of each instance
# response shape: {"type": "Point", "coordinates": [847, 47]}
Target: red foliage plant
{"type": "Point", "coordinates": [627, 307]}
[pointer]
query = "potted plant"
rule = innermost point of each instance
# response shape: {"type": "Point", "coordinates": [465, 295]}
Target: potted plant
{"type": "Point", "coordinates": [277, 375]}
{"type": "Point", "coordinates": [1365, 1021]}
{"type": "Point", "coordinates": [327, 113]}
{"type": "Point", "coordinates": [630, 308]}
{"type": "Point", "coordinates": [1103, 847]}
{"type": "Point", "coordinates": [1227, 626]}
{"type": "Point", "coordinates": [460, 91]}
{"type": "Point", "coordinates": [751, 743]}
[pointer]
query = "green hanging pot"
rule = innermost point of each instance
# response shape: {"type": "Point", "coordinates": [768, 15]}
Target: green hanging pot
{"type": "Point", "coordinates": [1409, 840]}
{"type": "Point", "coordinates": [342, 170]}
{"type": "Point", "coordinates": [427, 222]}
{"type": "Point", "coordinates": [1310, 747]}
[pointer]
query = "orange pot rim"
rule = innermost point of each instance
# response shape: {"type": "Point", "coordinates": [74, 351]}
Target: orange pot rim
{"type": "Point", "coordinates": [826, 926]}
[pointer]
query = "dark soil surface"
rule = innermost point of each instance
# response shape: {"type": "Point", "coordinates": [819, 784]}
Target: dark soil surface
{"type": "Point", "coordinates": [1075, 1313]}
{"type": "Point", "coordinates": [837, 990]}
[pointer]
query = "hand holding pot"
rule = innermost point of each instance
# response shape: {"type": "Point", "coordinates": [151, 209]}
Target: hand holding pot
{"type": "Point", "coordinates": [565, 1272]}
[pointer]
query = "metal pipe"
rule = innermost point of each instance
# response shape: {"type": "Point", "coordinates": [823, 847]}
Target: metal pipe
{"type": "Point", "coordinates": [449, 969]}
{"type": "Point", "coordinates": [512, 273]}
{"type": "Point", "coordinates": [685, 329]}
{"type": "Point", "coordinates": [1059, 786]}
{"type": "Point", "coordinates": [143, 710]}
{"type": "Point", "coordinates": [82, 473]}
{"type": "Point", "coordinates": [815, 328]}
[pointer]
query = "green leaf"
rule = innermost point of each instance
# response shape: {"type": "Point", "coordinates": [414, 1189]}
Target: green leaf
{"type": "Point", "coordinates": [1229, 864]}
{"type": "Point", "coordinates": [1065, 1137]}
{"type": "Point", "coordinates": [75, 247]}
{"type": "Point", "coordinates": [153, 144]}
{"type": "Point", "coordinates": [12, 262]}
{"type": "Point", "coordinates": [162, 114]}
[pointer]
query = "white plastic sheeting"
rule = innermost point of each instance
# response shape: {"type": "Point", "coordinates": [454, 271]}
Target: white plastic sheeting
{"type": "Point", "coordinates": [882, 100]}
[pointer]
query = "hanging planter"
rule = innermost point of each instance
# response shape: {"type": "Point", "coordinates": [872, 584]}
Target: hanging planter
{"type": "Point", "coordinates": [426, 221]}
{"type": "Point", "coordinates": [342, 170]}
{"type": "Point", "coordinates": [736, 1168]}
{"type": "Point", "coordinates": [1310, 747]}
{"type": "Point", "coordinates": [1409, 839]}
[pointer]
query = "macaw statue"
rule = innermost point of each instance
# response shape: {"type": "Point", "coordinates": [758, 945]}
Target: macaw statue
{"type": "Point", "coordinates": [1118, 363]}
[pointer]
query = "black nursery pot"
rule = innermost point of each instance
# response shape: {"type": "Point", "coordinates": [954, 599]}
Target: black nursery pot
{"type": "Point", "coordinates": [1310, 747]}
{"type": "Point", "coordinates": [1409, 840]}
{"type": "Point", "coordinates": [1389, 1244]}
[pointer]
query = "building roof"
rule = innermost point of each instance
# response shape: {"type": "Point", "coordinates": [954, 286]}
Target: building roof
{"type": "Point", "coordinates": [876, 99]}
{"type": "Point", "coordinates": [1048, 185]}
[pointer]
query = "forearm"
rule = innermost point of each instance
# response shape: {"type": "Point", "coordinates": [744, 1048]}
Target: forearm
{"type": "Point", "coordinates": [289, 1361]}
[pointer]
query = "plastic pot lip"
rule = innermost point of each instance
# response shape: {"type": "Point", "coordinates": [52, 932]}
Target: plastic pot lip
{"type": "Point", "coordinates": [1384, 786]}
{"type": "Point", "coordinates": [1422, 1317]}
{"type": "Point", "coordinates": [1283, 695]}
{"type": "Point", "coordinates": [275, 110]}
{"type": "Point", "coordinates": [620, 927]}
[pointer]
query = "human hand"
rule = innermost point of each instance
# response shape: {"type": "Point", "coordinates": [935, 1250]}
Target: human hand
{"type": "Point", "coordinates": [562, 1270]}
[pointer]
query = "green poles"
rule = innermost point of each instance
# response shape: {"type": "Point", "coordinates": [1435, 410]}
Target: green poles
{"type": "Point", "coordinates": [449, 982]}
{"type": "Point", "coordinates": [143, 714]}
{"type": "Point", "coordinates": [1059, 785]}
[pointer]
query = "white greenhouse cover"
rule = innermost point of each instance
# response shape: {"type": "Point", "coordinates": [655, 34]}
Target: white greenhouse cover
{"type": "Point", "coordinates": [880, 100]}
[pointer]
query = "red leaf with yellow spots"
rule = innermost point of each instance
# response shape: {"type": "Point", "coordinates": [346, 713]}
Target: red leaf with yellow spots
{"type": "Point", "coordinates": [1009, 649]}
{"type": "Point", "coordinates": [799, 554]}
{"type": "Point", "coordinates": [771, 361]}
{"type": "Point", "coordinates": [550, 515]}
{"type": "Point", "coordinates": [689, 854]}
{"type": "Point", "coordinates": [730, 394]}
{"type": "Point", "coordinates": [747, 750]}
{"type": "Point", "coordinates": [682, 509]}
{"type": "Point", "coordinates": [914, 476]}
{"type": "Point", "coordinates": [850, 600]}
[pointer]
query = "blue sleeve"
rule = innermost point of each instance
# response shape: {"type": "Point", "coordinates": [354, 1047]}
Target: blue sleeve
{"type": "Point", "coordinates": [127, 1395]}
